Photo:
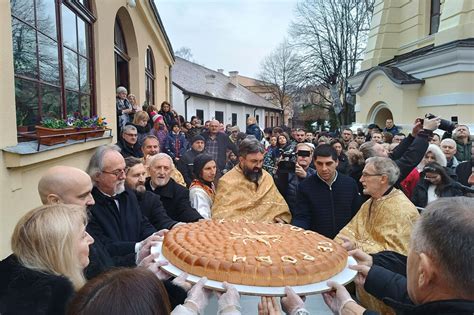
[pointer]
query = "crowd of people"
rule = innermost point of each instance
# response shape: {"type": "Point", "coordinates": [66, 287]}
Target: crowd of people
{"type": "Point", "coordinates": [87, 250]}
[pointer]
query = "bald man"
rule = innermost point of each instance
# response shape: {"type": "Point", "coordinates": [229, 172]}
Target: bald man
{"type": "Point", "coordinates": [66, 184]}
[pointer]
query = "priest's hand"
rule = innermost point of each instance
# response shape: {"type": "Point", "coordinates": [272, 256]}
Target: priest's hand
{"type": "Point", "coordinates": [361, 257]}
{"type": "Point", "coordinates": [347, 243]}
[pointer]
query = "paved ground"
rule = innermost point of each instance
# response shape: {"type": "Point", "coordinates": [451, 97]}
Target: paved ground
{"type": "Point", "coordinates": [314, 304]}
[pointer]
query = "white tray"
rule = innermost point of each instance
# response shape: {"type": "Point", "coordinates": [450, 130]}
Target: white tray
{"type": "Point", "coordinates": [344, 277]}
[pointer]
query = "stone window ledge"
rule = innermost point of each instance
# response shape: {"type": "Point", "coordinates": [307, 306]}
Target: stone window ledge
{"type": "Point", "coordinates": [25, 153]}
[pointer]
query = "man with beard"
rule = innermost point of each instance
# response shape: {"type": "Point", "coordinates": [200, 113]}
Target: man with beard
{"type": "Point", "coordinates": [66, 184]}
{"type": "Point", "coordinates": [116, 217]}
{"type": "Point", "coordinates": [175, 198]}
{"type": "Point", "coordinates": [300, 135]}
{"type": "Point", "coordinates": [347, 137]}
{"type": "Point", "coordinates": [151, 147]}
{"type": "Point", "coordinates": [150, 203]}
{"type": "Point", "coordinates": [185, 164]}
{"type": "Point", "coordinates": [248, 192]}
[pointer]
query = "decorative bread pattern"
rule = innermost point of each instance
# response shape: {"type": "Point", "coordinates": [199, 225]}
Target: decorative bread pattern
{"type": "Point", "coordinates": [259, 254]}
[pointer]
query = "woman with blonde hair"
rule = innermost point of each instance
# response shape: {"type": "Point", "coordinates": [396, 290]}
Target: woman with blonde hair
{"type": "Point", "coordinates": [50, 251]}
{"type": "Point", "coordinates": [140, 121]}
{"type": "Point", "coordinates": [133, 100]}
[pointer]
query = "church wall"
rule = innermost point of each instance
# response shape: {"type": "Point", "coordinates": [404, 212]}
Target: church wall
{"type": "Point", "coordinates": [19, 174]}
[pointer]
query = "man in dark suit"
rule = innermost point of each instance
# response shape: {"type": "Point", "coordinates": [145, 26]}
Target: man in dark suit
{"type": "Point", "coordinates": [217, 144]}
{"type": "Point", "coordinates": [175, 198]}
{"type": "Point", "coordinates": [150, 203]}
{"type": "Point", "coordinates": [116, 217]}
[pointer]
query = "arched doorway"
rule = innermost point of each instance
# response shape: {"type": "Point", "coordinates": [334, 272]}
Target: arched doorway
{"type": "Point", "coordinates": [122, 73]}
{"type": "Point", "coordinates": [379, 114]}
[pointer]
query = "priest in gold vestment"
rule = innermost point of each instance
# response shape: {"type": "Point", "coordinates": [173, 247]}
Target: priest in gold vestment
{"type": "Point", "coordinates": [384, 222]}
{"type": "Point", "coordinates": [249, 192]}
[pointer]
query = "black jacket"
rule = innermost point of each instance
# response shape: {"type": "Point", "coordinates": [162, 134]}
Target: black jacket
{"type": "Point", "coordinates": [153, 209]}
{"type": "Point", "coordinates": [420, 193]}
{"type": "Point", "coordinates": [127, 151]}
{"type": "Point", "coordinates": [343, 167]}
{"type": "Point", "coordinates": [175, 199]}
{"type": "Point", "coordinates": [409, 153]}
{"type": "Point", "coordinates": [463, 171]}
{"type": "Point", "coordinates": [101, 261]}
{"type": "Point", "coordinates": [287, 184]}
{"type": "Point", "coordinates": [223, 144]}
{"type": "Point", "coordinates": [27, 291]}
{"type": "Point", "coordinates": [186, 163]}
{"type": "Point", "coordinates": [391, 288]}
{"type": "Point", "coordinates": [120, 229]}
{"type": "Point", "coordinates": [326, 209]}
{"type": "Point", "coordinates": [391, 260]}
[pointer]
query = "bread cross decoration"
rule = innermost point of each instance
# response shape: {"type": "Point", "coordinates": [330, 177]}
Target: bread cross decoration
{"type": "Point", "coordinates": [259, 236]}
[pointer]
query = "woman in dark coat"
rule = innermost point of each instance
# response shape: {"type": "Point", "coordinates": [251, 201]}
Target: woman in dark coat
{"type": "Point", "coordinates": [343, 165]}
{"type": "Point", "coordinates": [168, 115]}
{"type": "Point", "coordinates": [435, 183]}
{"type": "Point", "coordinates": [50, 251]}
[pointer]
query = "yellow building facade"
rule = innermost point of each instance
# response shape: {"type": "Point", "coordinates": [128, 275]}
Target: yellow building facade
{"type": "Point", "coordinates": [419, 59]}
{"type": "Point", "coordinates": [144, 68]}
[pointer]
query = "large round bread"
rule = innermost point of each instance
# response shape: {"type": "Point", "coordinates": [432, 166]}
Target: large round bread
{"type": "Point", "coordinates": [259, 254]}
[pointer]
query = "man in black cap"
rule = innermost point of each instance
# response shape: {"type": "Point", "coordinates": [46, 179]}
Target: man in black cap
{"type": "Point", "coordinates": [185, 164]}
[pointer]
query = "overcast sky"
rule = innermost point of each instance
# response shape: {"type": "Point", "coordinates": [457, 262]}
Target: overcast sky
{"type": "Point", "coordinates": [228, 34]}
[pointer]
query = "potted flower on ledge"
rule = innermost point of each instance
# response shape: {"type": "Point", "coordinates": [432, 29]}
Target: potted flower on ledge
{"type": "Point", "coordinates": [57, 129]}
{"type": "Point", "coordinates": [86, 124]}
{"type": "Point", "coordinates": [99, 123]}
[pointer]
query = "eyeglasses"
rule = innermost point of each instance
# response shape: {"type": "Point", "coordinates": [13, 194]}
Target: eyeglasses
{"type": "Point", "coordinates": [370, 175]}
{"type": "Point", "coordinates": [117, 173]}
{"type": "Point", "coordinates": [131, 134]}
{"type": "Point", "coordinates": [431, 177]}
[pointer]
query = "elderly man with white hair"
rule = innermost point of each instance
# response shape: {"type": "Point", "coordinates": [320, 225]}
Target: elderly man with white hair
{"type": "Point", "coordinates": [175, 197]}
{"type": "Point", "coordinates": [448, 146]}
{"type": "Point", "coordinates": [384, 222]}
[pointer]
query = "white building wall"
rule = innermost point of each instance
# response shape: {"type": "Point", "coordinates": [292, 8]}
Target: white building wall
{"type": "Point", "coordinates": [209, 107]}
{"type": "Point", "coordinates": [178, 101]}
